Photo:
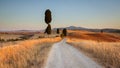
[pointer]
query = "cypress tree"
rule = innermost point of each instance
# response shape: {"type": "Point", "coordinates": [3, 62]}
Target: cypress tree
{"type": "Point", "coordinates": [48, 19]}
{"type": "Point", "coordinates": [58, 31]}
{"type": "Point", "coordinates": [49, 29]}
{"type": "Point", "coordinates": [65, 32]}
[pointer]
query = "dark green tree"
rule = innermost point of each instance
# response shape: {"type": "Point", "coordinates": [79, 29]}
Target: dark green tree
{"type": "Point", "coordinates": [48, 29]}
{"type": "Point", "coordinates": [64, 32]}
{"type": "Point", "coordinates": [101, 31]}
{"type": "Point", "coordinates": [58, 31]}
{"type": "Point", "coordinates": [48, 19]}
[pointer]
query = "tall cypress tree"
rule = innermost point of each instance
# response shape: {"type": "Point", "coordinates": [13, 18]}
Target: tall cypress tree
{"type": "Point", "coordinates": [48, 19]}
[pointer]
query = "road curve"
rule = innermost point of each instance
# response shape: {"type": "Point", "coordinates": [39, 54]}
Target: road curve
{"type": "Point", "coordinates": [62, 55]}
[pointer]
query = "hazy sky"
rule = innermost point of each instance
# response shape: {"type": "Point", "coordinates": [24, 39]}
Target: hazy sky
{"type": "Point", "coordinates": [29, 14]}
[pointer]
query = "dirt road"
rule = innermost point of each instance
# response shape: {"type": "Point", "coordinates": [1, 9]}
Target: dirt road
{"type": "Point", "coordinates": [62, 55]}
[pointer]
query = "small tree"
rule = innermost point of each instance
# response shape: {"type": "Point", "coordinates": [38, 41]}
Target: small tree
{"type": "Point", "coordinates": [101, 31]}
{"type": "Point", "coordinates": [58, 31]}
{"type": "Point", "coordinates": [48, 19]}
{"type": "Point", "coordinates": [65, 32]}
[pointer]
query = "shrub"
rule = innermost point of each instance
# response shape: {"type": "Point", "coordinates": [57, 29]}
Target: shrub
{"type": "Point", "coordinates": [58, 31]}
{"type": "Point", "coordinates": [64, 32]}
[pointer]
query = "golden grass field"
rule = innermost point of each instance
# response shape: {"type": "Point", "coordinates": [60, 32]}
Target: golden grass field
{"type": "Point", "coordinates": [26, 54]}
{"type": "Point", "coordinates": [96, 36]}
{"type": "Point", "coordinates": [103, 48]}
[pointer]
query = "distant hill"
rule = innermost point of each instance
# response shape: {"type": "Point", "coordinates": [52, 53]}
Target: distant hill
{"type": "Point", "coordinates": [72, 28]}
{"type": "Point", "coordinates": [89, 29]}
{"type": "Point", "coordinates": [69, 28]}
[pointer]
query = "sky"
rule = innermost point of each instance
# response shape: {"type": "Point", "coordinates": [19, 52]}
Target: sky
{"type": "Point", "coordinates": [29, 14]}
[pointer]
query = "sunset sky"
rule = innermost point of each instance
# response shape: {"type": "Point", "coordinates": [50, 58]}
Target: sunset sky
{"type": "Point", "coordinates": [29, 14]}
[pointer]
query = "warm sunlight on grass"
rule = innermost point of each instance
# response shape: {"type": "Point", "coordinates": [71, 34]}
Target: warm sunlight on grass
{"type": "Point", "coordinates": [26, 54]}
{"type": "Point", "coordinates": [96, 36]}
{"type": "Point", "coordinates": [107, 53]}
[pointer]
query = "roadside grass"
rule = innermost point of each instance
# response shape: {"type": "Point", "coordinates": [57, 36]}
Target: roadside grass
{"type": "Point", "coordinates": [26, 54]}
{"type": "Point", "coordinates": [95, 36]}
{"type": "Point", "coordinates": [106, 53]}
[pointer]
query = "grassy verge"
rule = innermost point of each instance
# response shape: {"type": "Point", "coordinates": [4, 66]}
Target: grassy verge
{"type": "Point", "coordinates": [26, 54]}
{"type": "Point", "coordinates": [106, 53]}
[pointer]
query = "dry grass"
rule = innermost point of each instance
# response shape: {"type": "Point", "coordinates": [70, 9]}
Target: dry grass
{"type": "Point", "coordinates": [26, 54]}
{"type": "Point", "coordinates": [96, 36]}
{"type": "Point", "coordinates": [107, 53]}
{"type": "Point", "coordinates": [9, 36]}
